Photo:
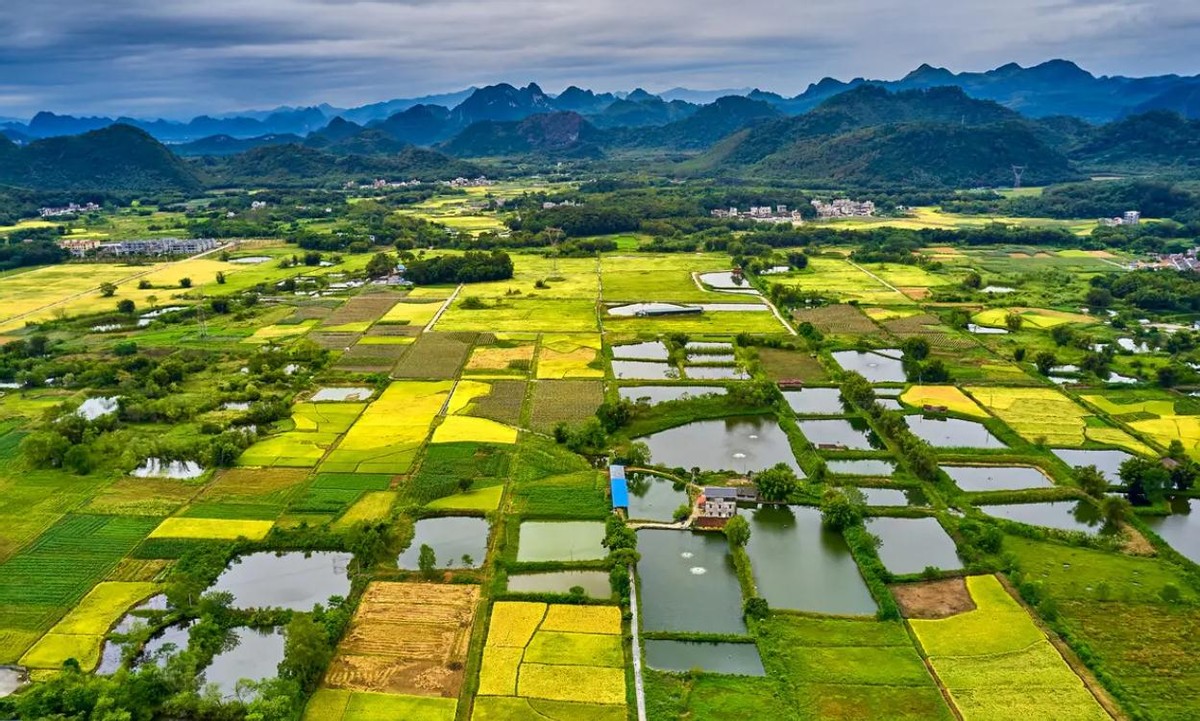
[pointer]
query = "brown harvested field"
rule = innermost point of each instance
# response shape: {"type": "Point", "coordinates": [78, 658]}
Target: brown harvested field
{"type": "Point", "coordinates": [239, 483]}
{"type": "Point", "coordinates": [333, 341]}
{"type": "Point", "coordinates": [435, 356]}
{"type": "Point", "coordinates": [782, 364]}
{"type": "Point", "coordinates": [315, 311]}
{"type": "Point", "coordinates": [493, 358]}
{"type": "Point", "coordinates": [368, 307]}
{"type": "Point", "coordinates": [370, 358]}
{"type": "Point", "coordinates": [837, 320]}
{"type": "Point", "coordinates": [568, 402]}
{"type": "Point", "coordinates": [503, 404]}
{"type": "Point", "coordinates": [391, 330]}
{"type": "Point", "coordinates": [916, 293]}
{"type": "Point", "coordinates": [408, 638]}
{"type": "Point", "coordinates": [933, 599]}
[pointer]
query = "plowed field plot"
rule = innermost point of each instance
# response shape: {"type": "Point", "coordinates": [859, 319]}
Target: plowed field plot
{"type": "Point", "coordinates": [387, 436]}
{"type": "Point", "coordinates": [407, 638]}
{"type": "Point", "coordinates": [997, 665]}
{"type": "Point", "coordinates": [929, 328]}
{"type": "Point", "coordinates": [333, 341]}
{"type": "Point", "coordinates": [435, 355]}
{"type": "Point", "coordinates": [837, 320]}
{"type": "Point", "coordinates": [502, 403]}
{"type": "Point", "coordinates": [492, 359]}
{"type": "Point", "coordinates": [567, 402]}
{"type": "Point", "coordinates": [367, 356]}
{"type": "Point", "coordinates": [358, 313]}
{"type": "Point", "coordinates": [552, 653]}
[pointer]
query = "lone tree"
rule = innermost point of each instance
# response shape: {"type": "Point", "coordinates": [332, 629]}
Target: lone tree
{"type": "Point", "coordinates": [777, 483]}
{"type": "Point", "coordinates": [1014, 321]}
{"type": "Point", "coordinates": [737, 532]}
{"type": "Point", "coordinates": [427, 561]}
{"type": "Point", "coordinates": [380, 265]}
{"type": "Point", "coordinates": [1092, 481]}
{"type": "Point", "coordinates": [108, 290]}
{"type": "Point", "coordinates": [915, 347]}
{"type": "Point", "coordinates": [185, 282]}
{"type": "Point", "coordinates": [126, 306]}
{"type": "Point", "coordinates": [1045, 361]}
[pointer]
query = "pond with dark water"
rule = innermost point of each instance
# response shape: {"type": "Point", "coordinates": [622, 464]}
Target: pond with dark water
{"type": "Point", "coordinates": [1181, 529]}
{"type": "Point", "coordinates": [952, 432]}
{"type": "Point", "coordinates": [650, 350]}
{"type": "Point", "coordinates": [644, 370]}
{"type": "Point", "coordinates": [750, 443]}
{"type": "Point", "coordinates": [736, 659]}
{"type": "Point", "coordinates": [801, 565]}
{"type": "Point", "coordinates": [457, 542]}
{"type": "Point", "coordinates": [974, 479]}
{"type": "Point", "coordinates": [1106, 461]}
{"type": "Point", "coordinates": [293, 581]}
{"type": "Point", "coordinates": [663, 394]}
{"type": "Point", "coordinates": [256, 657]}
{"type": "Point", "coordinates": [909, 545]}
{"type": "Point", "coordinates": [688, 583]}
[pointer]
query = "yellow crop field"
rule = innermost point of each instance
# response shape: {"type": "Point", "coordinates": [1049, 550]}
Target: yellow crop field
{"type": "Point", "coordinates": [574, 278]}
{"type": "Point", "coordinates": [476, 499]}
{"type": "Point", "coordinates": [102, 607]}
{"type": "Point", "coordinates": [466, 392]}
{"type": "Point", "coordinates": [276, 333]}
{"type": "Point", "coordinates": [882, 314]}
{"type": "Point", "coordinates": [329, 704]}
{"type": "Point", "coordinates": [592, 649]}
{"type": "Point", "coordinates": [522, 314]}
{"type": "Point", "coordinates": [456, 429]}
{"type": "Point", "coordinates": [214, 528]}
{"type": "Point", "coordinates": [513, 623]}
{"type": "Point", "coordinates": [577, 363]}
{"type": "Point", "coordinates": [1036, 413]}
{"type": "Point", "coordinates": [54, 648]}
{"type": "Point", "coordinates": [387, 435]}
{"type": "Point", "coordinates": [508, 708]}
{"type": "Point", "coordinates": [1039, 318]}
{"type": "Point", "coordinates": [585, 684]}
{"type": "Point", "coordinates": [498, 675]}
{"type": "Point", "coordinates": [373, 506]}
{"type": "Point", "coordinates": [497, 358]}
{"type": "Point", "coordinates": [1185, 429]}
{"type": "Point", "coordinates": [30, 292]}
{"type": "Point", "coordinates": [997, 665]}
{"type": "Point", "coordinates": [842, 281]}
{"type": "Point", "coordinates": [1161, 408]}
{"type": "Point", "coordinates": [415, 314]}
{"type": "Point", "coordinates": [583, 619]}
{"type": "Point", "coordinates": [952, 398]}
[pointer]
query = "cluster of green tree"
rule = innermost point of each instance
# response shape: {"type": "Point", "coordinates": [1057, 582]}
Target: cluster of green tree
{"type": "Point", "coordinates": [470, 267]}
{"type": "Point", "coordinates": [915, 452]}
{"type": "Point", "coordinates": [918, 368]}
{"type": "Point", "coordinates": [1154, 290]}
{"type": "Point", "coordinates": [1147, 481]}
{"type": "Point", "coordinates": [1153, 198]}
{"type": "Point", "coordinates": [22, 253]}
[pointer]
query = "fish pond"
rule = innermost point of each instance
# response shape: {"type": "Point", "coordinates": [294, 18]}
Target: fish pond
{"type": "Point", "coordinates": [1081, 516]}
{"type": "Point", "coordinates": [255, 657]}
{"type": "Point", "coordinates": [560, 541]}
{"type": "Point", "coordinates": [1181, 529]}
{"type": "Point", "coordinates": [652, 498]}
{"type": "Point", "coordinates": [688, 583]}
{"type": "Point", "coordinates": [974, 479]}
{"type": "Point", "coordinates": [952, 433]}
{"type": "Point", "coordinates": [751, 443]}
{"type": "Point", "coordinates": [848, 433]}
{"type": "Point", "coordinates": [1107, 462]}
{"type": "Point", "coordinates": [801, 565]}
{"type": "Point", "coordinates": [644, 370]}
{"type": "Point", "coordinates": [650, 350]}
{"type": "Point", "coordinates": [293, 581]}
{"type": "Point", "coordinates": [736, 659]}
{"type": "Point", "coordinates": [882, 366]}
{"type": "Point", "coordinates": [715, 373]}
{"type": "Point", "coordinates": [594, 583]}
{"type": "Point", "coordinates": [817, 402]}
{"type": "Point", "coordinates": [909, 545]}
{"type": "Point", "coordinates": [664, 394]}
{"type": "Point", "coordinates": [457, 542]}
{"type": "Point", "coordinates": [893, 496]}
{"type": "Point", "coordinates": [861, 467]}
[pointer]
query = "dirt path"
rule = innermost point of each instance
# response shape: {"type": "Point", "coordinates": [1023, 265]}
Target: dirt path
{"type": "Point", "coordinates": [639, 688]}
{"type": "Point", "coordinates": [445, 306]}
{"type": "Point", "coordinates": [877, 279]}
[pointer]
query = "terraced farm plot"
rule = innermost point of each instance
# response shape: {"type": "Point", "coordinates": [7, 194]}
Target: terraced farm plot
{"type": "Point", "coordinates": [951, 397]}
{"type": "Point", "coordinates": [538, 652]}
{"type": "Point", "coordinates": [836, 320]}
{"type": "Point", "coordinates": [388, 434]}
{"type": "Point", "coordinates": [996, 664]}
{"type": "Point", "coordinates": [435, 355]}
{"type": "Point", "coordinates": [529, 315]}
{"type": "Point", "coordinates": [407, 638]}
{"type": "Point", "coordinates": [316, 427]}
{"type": "Point", "coordinates": [565, 355]}
{"type": "Point", "coordinates": [1044, 413]}
{"type": "Point", "coordinates": [567, 402]}
{"type": "Point", "coordinates": [81, 632]}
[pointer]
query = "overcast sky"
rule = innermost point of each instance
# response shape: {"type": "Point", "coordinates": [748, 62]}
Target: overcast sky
{"type": "Point", "coordinates": [177, 58]}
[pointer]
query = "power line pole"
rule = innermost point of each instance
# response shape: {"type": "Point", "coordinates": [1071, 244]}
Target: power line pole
{"type": "Point", "coordinates": [1018, 171]}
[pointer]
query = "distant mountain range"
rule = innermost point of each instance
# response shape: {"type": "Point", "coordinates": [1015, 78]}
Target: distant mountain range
{"type": "Point", "coordinates": [1057, 87]}
{"type": "Point", "coordinates": [862, 134]}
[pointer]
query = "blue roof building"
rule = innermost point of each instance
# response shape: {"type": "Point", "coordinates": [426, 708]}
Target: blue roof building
{"type": "Point", "coordinates": [618, 487]}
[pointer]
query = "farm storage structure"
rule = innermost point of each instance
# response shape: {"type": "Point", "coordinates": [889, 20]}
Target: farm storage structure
{"type": "Point", "coordinates": [618, 487]}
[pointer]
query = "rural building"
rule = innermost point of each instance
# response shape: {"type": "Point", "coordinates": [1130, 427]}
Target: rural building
{"type": "Point", "coordinates": [844, 208]}
{"type": "Point", "coordinates": [618, 487]}
{"type": "Point", "coordinates": [718, 502]}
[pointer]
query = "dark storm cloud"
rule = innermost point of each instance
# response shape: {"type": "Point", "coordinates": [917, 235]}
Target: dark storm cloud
{"type": "Point", "coordinates": [179, 58]}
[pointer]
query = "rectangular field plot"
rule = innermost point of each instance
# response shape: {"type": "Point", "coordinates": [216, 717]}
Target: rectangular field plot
{"type": "Point", "coordinates": [569, 355]}
{"type": "Point", "coordinates": [435, 355]}
{"type": "Point", "coordinates": [359, 313]}
{"type": "Point", "coordinates": [556, 654]}
{"type": "Point", "coordinates": [505, 315]}
{"type": "Point", "coordinates": [213, 528]}
{"type": "Point", "coordinates": [1153, 414]}
{"type": "Point", "coordinates": [1045, 413]}
{"type": "Point", "coordinates": [840, 280]}
{"type": "Point", "coordinates": [81, 632]}
{"type": "Point", "coordinates": [996, 664]}
{"type": "Point", "coordinates": [316, 427]}
{"type": "Point", "coordinates": [329, 704]}
{"type": "Point", "coordinates": [407, 638]}
{"type": "Point", "coordinates": [658, 278]}
{"type": "Point", "coordinates": [567, 402]}
{"type": "Point", "coordinates": [387, 436]}
{"type": "Point", "coordinates": [573, 278]}
{"type": "Point", "coordinates": [710, 322]}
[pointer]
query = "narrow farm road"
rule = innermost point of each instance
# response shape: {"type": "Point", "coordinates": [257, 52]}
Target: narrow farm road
{"type": "Point", "coordinates": [639, 688]}
{"type": "Point", "coordinates": [438, 316]}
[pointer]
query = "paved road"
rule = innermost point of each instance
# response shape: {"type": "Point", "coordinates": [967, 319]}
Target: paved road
{"type": "Point", "coordinates": [639, 688]}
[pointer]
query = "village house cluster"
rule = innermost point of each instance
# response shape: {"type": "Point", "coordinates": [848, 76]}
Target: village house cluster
{"type": "Point", "coordinates": [760, 214]}
{"type": "Point", "coordinates": [844, 208]}
{"type": "Point", "coordinates": [1131, 217]}
{"type": "Point", "coordinates": [1189, 260]}
{"type": "Point", "coordinates": [69, 209]}
{"type": "Point", "coordinates": [480, 182]}
{"type": "Point", "coordinates": [150, 247]}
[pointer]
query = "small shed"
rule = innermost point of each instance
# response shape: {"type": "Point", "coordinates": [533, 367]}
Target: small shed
{"type": "Point", "coordinates": [618, 487]}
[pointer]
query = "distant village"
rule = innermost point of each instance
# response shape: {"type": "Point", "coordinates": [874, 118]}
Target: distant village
{"type": "Point", "coordinates": [1131, 217]}
{"type": "Point", "coordinates": [68, 210]}
{"type": "Point", "coordinates": [840, 208]}
{"type": "Point", "coordinates": [138, 248]}
{"type": "Point", "coordinates": [382, 184]}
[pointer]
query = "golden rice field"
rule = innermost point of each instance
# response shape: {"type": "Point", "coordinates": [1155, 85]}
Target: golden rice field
{"type": "Point", "coordinates": [951, 397]}
{"type": "Point", "coordinates": [565, 355]}
{"type": "Point", "coordinates": [997, 665]}
{"type": "Point", "coordinates": [81, 632]}
{"type": "Point", "coordinates": [1039, 318]}
{"type": "Point", "coordinates": [554, 652]}
{"type": "Point", "coordinates": [388, 434]}
{"type": "Point", "coordinates": [329, 704]}
{"type": "Point", "coordinates": [370, 507]}
{"type": "Point", "coordinates": [223, 529]}
{"type": "Point", "coordinates": [457, 429]}
{"type": "Point", "coordinates": [316, 427]}
{"type": "Point", "coordinates": [1044, 413]}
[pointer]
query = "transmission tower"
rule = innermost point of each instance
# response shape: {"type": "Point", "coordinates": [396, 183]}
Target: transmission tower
{"type": "Point", "coordinates": [200, 318]}
{"type": "Point", "coordinates": [1018, 171]}
{"type": "Point", "coordinates": [554, 236]}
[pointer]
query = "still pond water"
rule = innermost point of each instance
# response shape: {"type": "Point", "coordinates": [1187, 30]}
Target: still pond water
{"type": "Point", "coordinates": [911, 544]}
{"type": "Point", "coordinates": [663, 394]}
{"type": "Point", "coordinates": [817, 402]}
{"type": "Point", "coordinates": [852, 433]}
{"type": "Point", "coordinates": [738, 659]}
{"type": "Point", "coordinates": [688, 583]}
{"type": "Point", "coordinates": [255, 657]}
{"type": "Point", "coordinates": [292, 581]}
{"type": "Point", "coordinates": [594, 583]}
{"type": "Point", "coordinates": [1083, 516]}
{"type": "Point", "coordinates": [560, 541]}
{"type": "Point", "coordinates": [952, 433]}
{"type": "Point", "coordinates": [451, 539]}
{"type": "Point", "coordinates": [876, 366]}
{"type": "Point", "coordinates": [973, 479]}
{"type": "Point", "coordinates": [1107, 462]}
{"type": "Point", "coordinates": [1181, 529]}
{"type": "Point", "coordinates": [746, 444]}
{"type": "Point", "coordinates": [652, 498]}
